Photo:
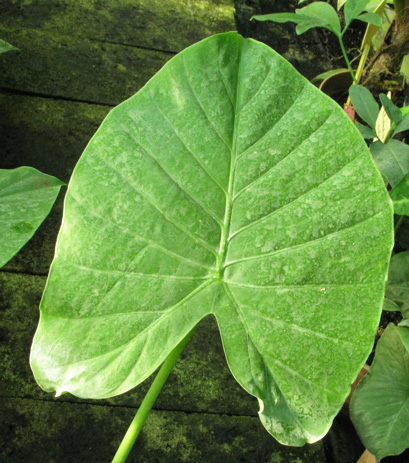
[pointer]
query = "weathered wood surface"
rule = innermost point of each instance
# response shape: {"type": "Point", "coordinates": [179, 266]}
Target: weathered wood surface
{"type": "Point", "coordinates": [58, 432]}
{"type": "Point", "coordinates": [167, 25]}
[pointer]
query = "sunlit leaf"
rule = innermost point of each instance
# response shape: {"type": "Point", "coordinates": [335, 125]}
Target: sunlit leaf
{"type": "Point", "coordinates": [380, 403]}
{"type": "Point", "coordinates": [229, 185]}
{"type": "Point", "coordinates": [26, 198]}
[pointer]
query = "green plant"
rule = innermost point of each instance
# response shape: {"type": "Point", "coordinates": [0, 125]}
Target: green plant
{"type": "Point", "coordinates": [228, 186]}
{"type": "Point", "coordinates": [321, 14]}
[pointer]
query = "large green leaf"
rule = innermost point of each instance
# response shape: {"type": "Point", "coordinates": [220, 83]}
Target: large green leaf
{"type": "Point", "coordinates": [26, 198]}
{"type": "Point", "coordinates": [229, 185]}
{"type": "Point", "coordinates": [380, 404]}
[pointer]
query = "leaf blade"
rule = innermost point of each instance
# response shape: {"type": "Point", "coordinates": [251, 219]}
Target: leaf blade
{"type": "Point", "coordinates": [26, 198]}
{"type": "Point", "coordinates": [209, 124]}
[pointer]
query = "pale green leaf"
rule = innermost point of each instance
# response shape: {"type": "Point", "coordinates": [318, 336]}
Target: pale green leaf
{"type": "Point", "coordinates": [383, 126]}
{"type": "Point", "coordinates": [380, 403]}
{"type": "Point", "coordinates": [340, 4]}
{"type": "Point", "coordinates": [397, 287]}
{"type": "Point", "coordinates": [400, 196]}
{"type": "Point", "coordinates": [365, 104]}
{"type": "Point", "coordinates": [392, 159]}
{"type": "Point", "coordinates": [26, 198]}
{"type": "Point", "coordinates": [229, 185]}
{"type": "Point", "coordinates": [4, 47]}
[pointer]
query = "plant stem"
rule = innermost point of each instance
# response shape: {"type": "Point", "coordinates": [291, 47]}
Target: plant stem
{"type": "Point", "coordinates": [341, 42]}
{"type": "Point", "coordinates": [150, 398]}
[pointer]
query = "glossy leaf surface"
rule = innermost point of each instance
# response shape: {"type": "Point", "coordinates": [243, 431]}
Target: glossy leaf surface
{"type": "Point", "coordinates": [26, 198]}
{"type": "Point", "coordinates": [380, 404]}
{"type": "Point", "coordinates": [229, 185]}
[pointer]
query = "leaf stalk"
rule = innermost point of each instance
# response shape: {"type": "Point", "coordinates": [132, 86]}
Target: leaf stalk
{"type": "Point", "coordinates": [137, 423]}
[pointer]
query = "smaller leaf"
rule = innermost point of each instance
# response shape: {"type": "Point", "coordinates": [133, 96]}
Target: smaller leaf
{"type": "Point", "coordinates": [371, 18]}
{"type": "Point", "coordinates": [397, 286]}
{"type": "Point", "coordinates": [404, 69]}
{"type": "Point", "coordinates": [405, 110]}
{"type": "Point", "coordinates": [403, 125]}
{"type": "Point", "coordinates": [400, 196]}
{"type": "Point", "coordinates": [366, 132]}
{"type": "Point", "coordinates": [324, 15]}
{"type": "Point", "coordinates": [281, 18]}
{"type": "Point", "coordinates": [318, 14]}
{"type": "Point", "coordinates": [380, 403]}
{"type": "Point", "coordinates": [352, 9]}
{"type": "Point", "coordinates": [392, 111]}
{"type": "Point", "coordinates": [5, 46]}
{"type": "Point", "coordinates": [392, 159]}
{"type": "Point", "coordinates": [340, 4]}
{"type": "Point", "coordinates": [390, 306]}
{"type": "Point", "coordinates": [327, 74]}
{"type": "Point", "coordinates": [365, 104]}
{"type": "Point", "coordinates": [383, 125]}
{"type": "Point", "coordinates": [26, 198]}
{"type": "Point", "coordinates": [404, 332]}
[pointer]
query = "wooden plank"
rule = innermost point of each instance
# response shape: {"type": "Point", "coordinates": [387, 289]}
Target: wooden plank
{"type": "Point", "coordinates": [200, 381]}
{"type": "Point", "coordinates": [47, 432]}
{"type": "Point", "coordinates": [168, 26]}
{"type": "Point", "coordinates": [74, 68]}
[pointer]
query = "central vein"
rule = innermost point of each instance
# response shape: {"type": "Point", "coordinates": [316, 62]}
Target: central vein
{"type": "Point", "coordinates": [220, 263]}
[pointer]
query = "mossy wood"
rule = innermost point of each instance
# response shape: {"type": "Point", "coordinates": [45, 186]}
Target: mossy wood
{"type": "Point", "coordinates": [229, 185]}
